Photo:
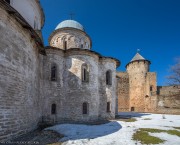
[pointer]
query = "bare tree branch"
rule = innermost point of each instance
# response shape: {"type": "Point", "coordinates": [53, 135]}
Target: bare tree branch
{"type": "Point", "coordinates": [174, 78]}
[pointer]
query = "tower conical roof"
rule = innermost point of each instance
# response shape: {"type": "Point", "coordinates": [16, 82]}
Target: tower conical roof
{"type": "Point", "coordinates": [138, 57]}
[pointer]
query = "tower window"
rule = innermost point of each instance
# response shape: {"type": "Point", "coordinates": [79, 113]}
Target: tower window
{"type": "Point", "coordinates": [108, 77]}
{"type": "Point", "coordinates": [108, 107]}
{"type": "Point", "coordinates": [85, 108]}
{"type": "Point", "coordinates": [151, 88]}
{"type": "Point", "coordinates": [53, 73]}
{"type": "Point", "coordinates": [53, 109]}
{"type": "Point", "coordinates": [85, 73]}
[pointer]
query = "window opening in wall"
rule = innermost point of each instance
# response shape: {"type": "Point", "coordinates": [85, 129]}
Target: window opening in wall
{"type": "Point", "coordinates": [151, 88]}
{"type": "Point", "coordinates": [108, 78]}
{"type": "Point", "coordinates": [53, 109]}
{"type": "Point", "coordinates": [108, 107]}
{"type": "Point", "coordinates": [81, 45]}
{"type": "Point", "coordinates": [85, 73]}
{"type": "Point", "coordinates": [132, 108]}
{"type": "Point", "coordinates": [85, 108]}
{"type": "Point", "coordinates": [53, 73]}
{"type": "Point", "coordinates": [65, 45]}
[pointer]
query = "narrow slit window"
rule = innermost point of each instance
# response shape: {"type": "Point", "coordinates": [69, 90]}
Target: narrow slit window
{"type": "Point", "coordinates": [108, 78]}
{"type": "Point", "coordinates": [65, 45]}
{"type": "Point", "coordinates": [85, 108]}
{"type": "Point", "coordinates": [108, 107]}
{"type": "Point", "coordinates": [151, 88]}
{"type": "Point", "coordinates": [53, 73]}
{"type": "Point", "coordinates": [81, 45]}
{"type": "Point", "coordinates": [53, 109]}
{"type": "Point", "coordinates": [85, 73]}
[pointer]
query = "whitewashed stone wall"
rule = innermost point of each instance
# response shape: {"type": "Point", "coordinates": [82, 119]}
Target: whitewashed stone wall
{"type": "Point", "coordinates": [107, 93]}
{"type": "Point", "coordinates": [31, 12]}
{"type": "Point", "coordinates": [52, 91]}
{"type": "Point", "coordinates": [19, 79]}
{"type": "Point", "coordinates": [72, 92]}
{"type": "Point", "coordinates": [74, 38]}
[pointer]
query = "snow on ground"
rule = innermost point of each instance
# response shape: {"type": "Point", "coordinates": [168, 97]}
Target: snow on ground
{"type": "Point", "coordinates": [119, 132]}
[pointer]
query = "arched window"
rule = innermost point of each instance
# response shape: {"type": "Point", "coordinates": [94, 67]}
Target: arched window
{"type": "Point", "coordinates": [108, 77]}
{"type": "Point", "coordinates": [53, 72]}
{"type": "Point", "coordinates": [84, 73]}
{"type": "Point", "coordinates": [85, 108]}
{"type": "Point", "coordinates": [108, 107]}
{"type": "Point", "coordinates": [53, 109]}
{"type": "Point", "coordinates": [65, 45]}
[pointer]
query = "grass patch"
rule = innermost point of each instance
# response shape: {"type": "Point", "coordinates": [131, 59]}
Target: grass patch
{"type": "Point", "coordinates": [145, 138]}
{"type": "Point", "coordinates": [173, 132]}
{"type": "Point", "coordinates": [152, 130]}
{"type": "Point", "coordinates": [129, 120]}
{"type": "Point", "coordinates": [57, 143]}
{"type": "Point", "coordinates": [147, 119]}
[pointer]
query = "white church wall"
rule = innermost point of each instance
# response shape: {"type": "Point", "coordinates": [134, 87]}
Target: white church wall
{"type": "Point", "coordinates": [77, 91]}
{"type": "Point", "coordinates": [73, 38]}
{"type": "Point", "coordinates": [107, 92]}
{"type": "Point", "coordinates": [52, 90]}
{"type": "Point", "coordinates": [30, 11]}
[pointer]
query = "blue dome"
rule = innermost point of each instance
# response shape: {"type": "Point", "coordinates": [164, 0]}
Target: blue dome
{"type": "Point", "coordinates": [70, 24]}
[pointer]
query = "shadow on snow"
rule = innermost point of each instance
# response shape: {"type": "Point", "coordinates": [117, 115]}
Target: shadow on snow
{"type": "Point", "coordinates": [77, 131]}
{"type": "Point", "coordinates": [131, 114]}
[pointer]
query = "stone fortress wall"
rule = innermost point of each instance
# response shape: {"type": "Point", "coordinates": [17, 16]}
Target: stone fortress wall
{"type": "Point", "coordinates": [137, 91]}
{"type": "Point", "coordinates": [123, 91]}
{"type": "Point", "coordinates": [19, 75]}
{"type": "Point", "coordinates": [168, 99]}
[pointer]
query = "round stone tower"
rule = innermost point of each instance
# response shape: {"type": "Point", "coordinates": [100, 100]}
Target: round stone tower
{"type": "Point", "coordinates": [137, 70]}
{"type": "Point", "coordinates": [70, 34]}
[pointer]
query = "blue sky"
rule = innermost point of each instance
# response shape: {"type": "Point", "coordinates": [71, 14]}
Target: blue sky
{"type": "Point", "coordinates": [119, 27]}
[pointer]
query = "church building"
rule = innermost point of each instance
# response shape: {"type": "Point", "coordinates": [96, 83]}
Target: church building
{"type": "Point", "coordinates": [63, 82]}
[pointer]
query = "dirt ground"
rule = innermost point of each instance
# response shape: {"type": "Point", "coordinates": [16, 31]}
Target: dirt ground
{"type": "Point", "coordinates": [37, 137]}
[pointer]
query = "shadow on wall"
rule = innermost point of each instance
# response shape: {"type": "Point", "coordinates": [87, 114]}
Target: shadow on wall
{"type": "Point", "coordinates": [76, 132]}
{"type": "Point", "coordinates": [132, 114]}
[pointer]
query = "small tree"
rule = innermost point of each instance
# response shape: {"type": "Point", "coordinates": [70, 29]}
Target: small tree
{"type": "Point", "coordinates": [174, 78]}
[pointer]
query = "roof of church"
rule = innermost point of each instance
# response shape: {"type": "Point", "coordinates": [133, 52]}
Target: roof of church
{"type": "Point", "coordinates": [138, 57]}
{"type": "Point", "coordinates": [70, 24]}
